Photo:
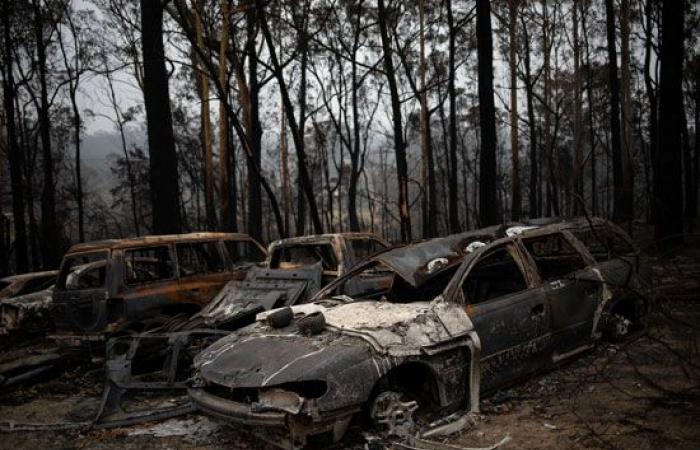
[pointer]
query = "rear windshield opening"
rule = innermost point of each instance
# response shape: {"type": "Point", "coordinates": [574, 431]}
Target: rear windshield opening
{"type": "Point", "coordinates": [84, 271]}
{"type": "Point", "coordinates": [304, 255]}
{"type": "Point", "coordinates": [381, 283]}
{"type": "Point", "coordinates": [242, 252]}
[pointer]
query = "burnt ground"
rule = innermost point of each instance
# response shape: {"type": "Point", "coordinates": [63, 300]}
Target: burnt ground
{"type": "Point", "coordinates": [643, 394]}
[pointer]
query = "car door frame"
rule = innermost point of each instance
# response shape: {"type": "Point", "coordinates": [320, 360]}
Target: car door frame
{"type": "Point", "coordinates": [573, 300]}
{"type": "Point", "coordinates": [522, 357]}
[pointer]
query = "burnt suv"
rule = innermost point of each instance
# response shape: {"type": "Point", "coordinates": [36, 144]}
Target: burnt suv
{"type": "Point", "coordinates": [461, 315]}
{"type": "Point", "coordinates": [114, 285]}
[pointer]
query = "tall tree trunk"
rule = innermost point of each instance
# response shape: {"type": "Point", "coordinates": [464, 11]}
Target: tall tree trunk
{"type": "Point", "coordinates": [693, 197]}
{"type": "Point", "coordinates": [488, 199]}
{"type": "Point", "coordinates": [13, 151]}
{"type": "Point", "coordinates": [619, 213]}
{"type": "Point", "coordinates": [399, 144]}
{"type": "Point", "coordinates": [589, 95]}
{"type": "Point", "coordinates": [50, 234]}
{"type": "Point", "coordinates": [626, 209]}
{"type": "Point", "coordinates": [452, 95]}
{"type": "Point", "coordinates": [577, 202]}
{"type": "Point", "coordinates": [668, 189]}
{"type": "Point", "coordinates": [516, 200]}
{"type": "Point", "coordinates": [532, 126]}
{"type": "Point", "coordinates": [205, 120]}
{"type": "Point", "coordinates": [424, 128]}
{"type": "Point", "coordinates": [355, 151]}
{"type": "Point", "coordinates": [547, 142]}
{"type": "Point", "coordinates": [227, 219]}
{"type": "Point", "coordinates": [165, 192]}
{"type": "Point", "coordinates": [254, 131]}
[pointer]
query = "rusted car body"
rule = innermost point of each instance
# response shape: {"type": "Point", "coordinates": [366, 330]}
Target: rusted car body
{"type": "Point", "coordinates": [110, 286]}
{"type": "Point", "coordinates": [463, 314]}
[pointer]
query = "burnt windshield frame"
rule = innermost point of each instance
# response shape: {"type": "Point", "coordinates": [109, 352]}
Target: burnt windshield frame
{"type": "Point", "coordinates": [65, 268]}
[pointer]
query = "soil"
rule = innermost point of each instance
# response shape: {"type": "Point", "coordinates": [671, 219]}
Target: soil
{"type": "Point", "coordinates": [642, 394]}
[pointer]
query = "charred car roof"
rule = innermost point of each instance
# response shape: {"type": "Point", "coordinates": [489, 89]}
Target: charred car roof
{"type": "Point", "coordinates": [109, 244]}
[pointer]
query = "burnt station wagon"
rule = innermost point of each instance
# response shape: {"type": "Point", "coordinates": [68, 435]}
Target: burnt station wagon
{"type": "Point", "coordinates": [462, 315]}
{"type": "Point", "coordinates": [114, 285]}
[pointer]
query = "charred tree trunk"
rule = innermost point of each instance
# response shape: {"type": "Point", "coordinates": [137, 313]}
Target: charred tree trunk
{"type": "Point", "coordinates": [205, 120]}
{"type": "Point", "coordinates": [165, 192]}
{"type": "Point", "coordinates": [14, 153]}
{"type": "Point", "coordinates": [591, 129]}
{"type": "Point", "coordinates": [488, 198]}
{"type": "Point", "coordinates": [426, 200]}
{"type": "Point", "coordinates": [626, 209]}
{"type": "Point", "coordinates": [399, 144]}
{"type": "Point", "coordinates": [452, 95]}
{"type": "Point", "coordinates": [614, 86]}
{"type": "Point", "coordinates": [227, 219]}
{"type": "Point", "coordinates": [254, 132]}
{"type": "Point", "coordinates": [668, 189]}
{"type": "Point", "coordinates": [355, 151]}
{"type": "Point", "coordinates": [516, 200]}
{"type": "Point", "coordinates": [577, 201]}
{"type": "Point", "coordinates": [533, 197]}
{"type": "Point", "coordinates": [50, 235]}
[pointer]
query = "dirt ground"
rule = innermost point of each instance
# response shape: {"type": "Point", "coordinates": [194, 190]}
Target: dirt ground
{"type": "Point", "coordinates": [643, 394]}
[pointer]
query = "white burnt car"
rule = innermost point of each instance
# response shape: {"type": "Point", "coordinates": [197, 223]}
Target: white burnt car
{"type": "Point", "coordinates": [462, 315]}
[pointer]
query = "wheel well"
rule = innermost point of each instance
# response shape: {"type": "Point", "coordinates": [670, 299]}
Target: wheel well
{"type": "Point", "coordinates": [634, 310]}
{"type": "Point", "coordinates": [415, 379]}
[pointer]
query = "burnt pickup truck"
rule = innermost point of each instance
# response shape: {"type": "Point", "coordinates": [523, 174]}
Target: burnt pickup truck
{"type": "Point", "coordinates": [111, 286]}
{"type": "Point", "coordinates": [464, 314]}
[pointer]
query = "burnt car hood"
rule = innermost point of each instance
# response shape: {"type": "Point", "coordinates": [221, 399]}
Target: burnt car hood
{"type": "Point", "coordinates": [268, 361]}
{"type": "Point", "coordinates": [258, 355]}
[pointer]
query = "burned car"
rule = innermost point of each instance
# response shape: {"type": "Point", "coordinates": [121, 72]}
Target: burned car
{"type": "Point", "coordinates": [463, 315]}
{"type": "Point", "coordinates": [132, 284]}
{"type": "Point", "coordinates": [27, 283]}
{"type": "Point", "coordinates": [295, 270]}
{"type": "Point", "coordinates": [25, 300]}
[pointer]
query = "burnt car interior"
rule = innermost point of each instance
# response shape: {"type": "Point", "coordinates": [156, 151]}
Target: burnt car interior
{"type": "Point", "coordinates": [304, 255]}
{"type": "Point", "coordinates": [554, 256]}
{"type": "Point", "coordinates": [197, 258]}
{"type": "Point", "coordinates": [84, 271]}
{"type": "Point", "coordinates": [147, 265]}
{"type": "Point", "coordinates": [244, 252]}
{"type": "Point", "coordinates": [495, 274]}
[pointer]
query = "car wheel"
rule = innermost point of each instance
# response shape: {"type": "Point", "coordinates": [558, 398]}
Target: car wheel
{"type": "Point", "coordinates": [392, 411]}
{"type": "Point", "coordinates": [618, 327]}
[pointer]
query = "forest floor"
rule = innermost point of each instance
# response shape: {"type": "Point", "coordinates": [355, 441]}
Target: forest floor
{"type": "Point", "coordinates": [643, 394]}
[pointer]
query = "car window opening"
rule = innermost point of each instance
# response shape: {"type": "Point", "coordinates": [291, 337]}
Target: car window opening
{"type": "Point", "coordinates": [554, 256]}
{"type": "Point", "coordinates": [147, 265]}
{"type": "Point", "coordinates": [496, 274]}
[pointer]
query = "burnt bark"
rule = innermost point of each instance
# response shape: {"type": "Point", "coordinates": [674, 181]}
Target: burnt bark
{"type": "Point", "coordinates": [253, 130]}
{"type": "Point", "coordinates": [488, 196]}
{"type": "Point", "coordinates": [50, 233]}
{"type": "Point", "coordinates": [619, 207]}
{"type": "Point", "coordinates": [165, 192]}
{"type": "Point", "coordinates": [14, 153]}
{"type": "Point", "coordinates": [452, 125]}
{"type": "Point", "coordinates": [668, 189]}
{"type": "Point", "coordinates": [399, 144]}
